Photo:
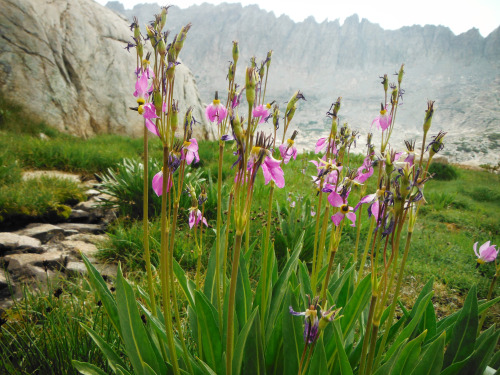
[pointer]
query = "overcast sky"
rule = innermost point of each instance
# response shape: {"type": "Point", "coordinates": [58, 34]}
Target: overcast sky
{"type": "Point", "coordinates": [458, 15]}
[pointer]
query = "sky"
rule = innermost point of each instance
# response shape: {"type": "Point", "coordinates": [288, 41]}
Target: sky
{"type": "Point", "coordinates": [459, 15]}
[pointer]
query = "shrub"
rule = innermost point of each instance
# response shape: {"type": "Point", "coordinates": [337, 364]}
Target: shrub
{"type": "Point", "coordinates": [445, 172]}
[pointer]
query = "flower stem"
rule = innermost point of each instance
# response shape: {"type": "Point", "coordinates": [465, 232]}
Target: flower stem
{"type": "Point", "coordinates": [367, 246]}
{"type": "Point", "coordinates": [263, 291]}
{"type": "Point", "coordinates": [145, 222]}
{"type": "Point", "coordinates": [226, 243]}
{"type": "Point", "coordinates": [219, 221]}
{"type": "Point", "coordinates": [366, 338]}
{"type": "Point", "coordinates": [315, 248]}
{"type": "Point", "coordinates": [373, 344]}
{"type": "Point", "coordinates": [232, 294]}
{"type": "Point", "coordinates": [488, 297]}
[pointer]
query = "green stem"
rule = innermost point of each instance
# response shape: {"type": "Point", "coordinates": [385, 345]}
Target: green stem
{"type": "Point", "coordinates": [373, 344]}
{"type": "Point", "coordinates": [232, 294]}
{"type": "Point", "coordinates": [263, 291]}
{"type": "Point", "coordinates": [366, 339]}
{"type": "Point", "coordinates": [219, 221]}
{"type": "Point", "coordinates": [358, 234]}
{"type": "Point", "coordinates": [145, 222]}
{"type": "Point", "coordinates": [226, 244]}
{"type": "Point", "coordinates": [392, 310]}
{"type": "Point", "coordinates": [309, 355]}
{"type": "Point", "coordinates": [367, 246]}
{"type": "Point", "coordinates": [306, 345]}
{"type": "Point", "coordinates": [322, 241]}
{"type": "Point", "coordinates": [488, 297]}
{"type": "Point", "coordinates": [164, 268]}
{"type": "Point", "coordinates": [316, 232]}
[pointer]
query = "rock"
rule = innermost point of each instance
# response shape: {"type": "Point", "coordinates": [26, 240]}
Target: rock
{"type": "Point", "coordinates": [92, 192]}
{"type": "Point", "coordinates": [56, 174]}
{"type": "Point", "coordinates": [82, 228]}
{"type": "Point", "coordinates": [43, 232]}
{"type": "Point", "coordinates": [19, 263]}
{"type": "Point", "coordinates": [12, 241]}
{"type": "Point", "coordinates": [90, 184]}
{"type": "Point", "coordinates": [107, 270]}
{"type": "Point", "coordinates": [81, 78]}
{"type": "Point", "coordinates": [87, 237]}
{"type": "Point", "coordinates": [79, 215]}
{"type": "Point", "coordinates": [4, 284]}
{"type": "Point", "coordinates": [75, 269]}
{"type": "Point", "coordinates": [90, 205]}
{"type": "Point", "coordinates": [80, 247]}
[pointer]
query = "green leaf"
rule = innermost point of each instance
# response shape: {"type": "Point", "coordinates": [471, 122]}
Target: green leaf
{"type": "Point", "coordinates": [463, 336]}
{"type": "Point", "coordinates": [407, 331]}
{"type": "Point", "coordinates": [432, 360]}
{"type": "Point", "coordinates": [86, 368]}
{"type": "Point", "coordinates": [210, 282]}
{"type": "Point", "coordinates": [135, 338]}
{"type": "Point", "coordinates": [243, 298]}
{"type": "Point", "coordinates": [356, 305]}
{"type": "Point", "coordinates": [113, 358]}
{"type": "Point", "coordinates": [274, 344]}
{"type": "Point", "coordinates": [184, 283]}
{"type": "Point", "coordinates": [105, 296]}
{"type": "Point", "coordinates": [305, 281]}
{"type": "Point", "coordinates": [388, 367]}
{"type": "Point", "coordinates": [318, 360]}
{"type": "Point", "coordinates": [248, 353]}
{"type": "Point", "coordinates": [206, 368]}
{"type": "Point", "coordinates": [210, 334]}
{"type": "Point", "coordinates": [408, 357]}
{"type": "Point", "coordinates": [345, 366]}
{"type": "Point", "coordinates": [293, 335]}
{"type": "Point", "coordinates": [279, 288]}
{"type": "Point", "coordinates": [479, 360]}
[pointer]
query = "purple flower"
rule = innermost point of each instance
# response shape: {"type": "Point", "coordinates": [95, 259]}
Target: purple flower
{"type": "Point", "coordinates": [191, 151]}
{"type": "Point", "coordinates": [311, 323]}
{"type": "Point", "coordinates": [340, 200]}
{"type": "Point", "coordinates": [288, 150]}
{"type": "Point", "coordinates": [216, 112]}
{"type": "Point", "coordinates": [158, 183]}
{"type": "Point", "coordinates": [486, 253]}
{"type": "Point", "coordinates": [271, 168]}
{"type": "Point", "coordinates": [382, 121]}
{"type": "Point", "coordinates": [261, 112]}
{"type": "Point", "coordinates": [149, 112]}
{"type": "Point", "coordinates": [141, 89]}
{"type": "Point", "coordinates": [195, 217]}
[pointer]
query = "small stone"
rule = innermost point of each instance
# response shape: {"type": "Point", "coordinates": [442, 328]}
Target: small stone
{"type": "Point", "coordinates": [105, 197]}
{"type": "Point", "coordinates": [75, 269]}
{"type": "Point", "coordinates": [4, 284]}
{"type": "Point", "coordinates": [77, 247]}
{"type": "Point", "coordinates": [77, 215]}
{"type": "Point", "coordinates": [88, 206]}
{"type": "Point", "coordinates": [92, 192]}
{"type": "Point", "coordinates": [90, 183]}
{"type": "Point", "coordinates": [19, 263]}
{"type": "Point", "coordinates": [107, 270]}
{"type": "Point", "coordinates": [43, 232]}
{"type": "Point", "coordinates": [11, 241]}
{"type": "Point", "coordinates": [82, 227]}
{"type": "Point", "coordinates": [87, 237]}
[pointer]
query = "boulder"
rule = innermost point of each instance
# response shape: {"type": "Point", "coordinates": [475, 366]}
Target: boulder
{"type": "Point", "coordinates": [80, 247]}
{"type": "Point", "coordinates": [43, 232]}
{"type": "Point", "coordinates": [21, 264]}
{"type": "Point", "coordinates": [70, 228]}
{"type": "Point", "coordinates": [65, 62]}
{"type": "Point", "coordinates": [11, 241]}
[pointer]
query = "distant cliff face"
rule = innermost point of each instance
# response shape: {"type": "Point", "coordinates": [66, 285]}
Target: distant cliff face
{"type": "Point", "coordinates": [327, 60]}
{"type": "Point", "coordinates": [65, 61]}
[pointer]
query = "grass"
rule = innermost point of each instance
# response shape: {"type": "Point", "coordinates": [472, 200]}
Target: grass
{"type": "Point", "coordinates": [43, 331]}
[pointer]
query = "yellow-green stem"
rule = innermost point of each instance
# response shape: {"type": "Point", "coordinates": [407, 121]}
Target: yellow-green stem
{"type": "Point", "coordinates": [217, 241]}
{"type": "Point", "coordinates": [263, 291]}
{"type": "Point", "coordinates": [315, 248]}
{"type": "Point", "coordinates": [367, 246]}
{"type": "Point", "coordinates": [373, 344]}
{"type": "Point", "coordinates": [226, 243]}
{"type": "Point", "coordinates": [232, 293]}
{"type": "Point", "coordinates": [488, 297]}
{"type": "Point", "coordinates": [366, 339]}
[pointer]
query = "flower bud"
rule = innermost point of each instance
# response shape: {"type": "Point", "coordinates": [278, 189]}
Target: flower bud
{"type": "Point", "coordinates": [268, 60]}
{"type": "Point", "coordinates": [250, 82]}
{"type": "Point", "coordinates": [276, 116]}
{"type": "Point", "coordinates": [428, 116]}
{"type": "Point", "coordinates": [162, 49]}
{"type": "Point", "coordinates": [236, 126]}
{"type": "Point", "coordinates": [179, 41]}
{"type": "Point", "coordinates": [294, 99]}
{"type": "Point", "coordinates": [150, 31]}
{"type": "Point", "coordinates": [188, 123]}
{"type": "Point", "coordinates": [436, 145]}
{"type": "Point", "coordinates": [140, 49]}
{"type": "Point", "coordinates": [401, 73]}
{"type": "Point", "coordinates": [230, 73]}
{"type": "Point", "coordinates": [385, 82]}
{"type": "Point", "coordinates": [137, 31]}
{"type": "Point", "coordinates": [158, 102]}
{"type": "Point", "coordinates": [163, 17]}
{"type": "Point", "coordinates": [394, 95]}
{"type": "Point", "coordinates": [290, 113]}
{"type": "Point", "coordinates": [236, 51]}
{"type": "Point", "coordinates": [389, 166]}
{"type": "Point", "coordinates": [174, 116]}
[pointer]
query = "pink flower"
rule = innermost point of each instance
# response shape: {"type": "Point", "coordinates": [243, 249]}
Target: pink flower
{"type": "Point", "coordinates": [216, 111]}
{"type": "Point", "coordinates": [149, 112]}
{"type": "Point", "coordinates": [486, 253]}
{"type": "Point", "coordinates": [271, 168]}
{"type": "Point", "coordinates": [340, 200]}
{"type": "Point", "coordinates": [288, 150]}
{"type": "Point", "coordinates": [322, 143]}
{"type": "Point", "coordinates": [382, 121]}
{"type": "Point", "coordinates": [363, 176]}
{"type": "Point", "coordinates": [158, 183]}
{"type": "Point", "coordinates": [141, 89]}
{"type": "Point", "coordinates": [195, 217]}
{"type": "Point", "coordinates": [147, 72]}
{"type": "Point", "coordinates": [191, 151]}
{"type": "Point", "coordinates": [262, 112]}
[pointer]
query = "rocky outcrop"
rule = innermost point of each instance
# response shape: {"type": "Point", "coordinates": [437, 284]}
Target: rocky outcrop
{"type": "Point", "coordinates": [65, 62]}
{"type": "Point", "coordinates": [41, 252]}
{"type": "Point", "coordinates": [329, 59]}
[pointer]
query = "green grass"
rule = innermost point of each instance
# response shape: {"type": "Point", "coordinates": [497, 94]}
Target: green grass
{"type": "Point", "coordinates": [42, 332]}
{"type": "Point", "coordinates": [38, 199]}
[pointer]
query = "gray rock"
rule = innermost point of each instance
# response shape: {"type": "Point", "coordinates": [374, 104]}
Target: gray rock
{"type": "Point", "coordinates": [92, 192]}
{"type": "Point", "coordinates": [11, 241]}
{"type": "Point", "coordinates": [74, 269]}
{"type": "Point", "coordinates": [90, 205]}
{"type": "Point", "coordinates": [79, 215]}
{"type": "Point", "coordinates": [80, 247]}
{"type": "Point", "coordinates": [4, 284]}
{"type": "Point", "coordinates": [43, 232]}
{"type": "Point", "coordinates": [82, 228]}
{"type": "Point", "coordinates": [19, 263]}
{"type": "Point", "coordinates": [87, 237]}
{"type": "Point", "coordinates": [81, 78]}
{"type": "Point", "coordinates": [107, 270]}
{"type": "Point", "coordinates": [55, 174]}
